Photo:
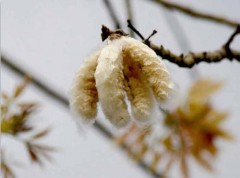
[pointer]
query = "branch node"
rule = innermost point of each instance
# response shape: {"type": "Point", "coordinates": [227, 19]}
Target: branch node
{"type": "Point", "coordinates": [147, 41]}
{"type": "Point", "coordinates": [106, 32]}
{"type": "Point", "coordinates": [236, 32]}
{"type": "Point", "coordinates": [226, 46]}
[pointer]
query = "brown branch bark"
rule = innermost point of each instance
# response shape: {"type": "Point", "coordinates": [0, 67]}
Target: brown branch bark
{"type": "Point", "coordinates": [191, 59]}
{"type": "Point", "coordinates": [197, 14]}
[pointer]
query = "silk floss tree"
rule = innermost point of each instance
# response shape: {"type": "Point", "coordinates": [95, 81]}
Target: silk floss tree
{"type": "Point", "coordinates": [124, 68]}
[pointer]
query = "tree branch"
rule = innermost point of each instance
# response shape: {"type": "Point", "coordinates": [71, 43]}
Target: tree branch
{"type": "Point", "coordinates": [197, 14]}
{"type": "Point", "coordinates": [191, 59]}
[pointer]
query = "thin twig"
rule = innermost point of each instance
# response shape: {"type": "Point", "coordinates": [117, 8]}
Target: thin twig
{"type": "Point", "coordinates": [112, 14]}
{"type": "Point", "coordinates": [62, 100]}
{"type": "Point", "coordinates": [135, 30]}
{"type": "Point", "coordinates": [237, 31]}
{"type": "Point", "coordinates": [197, 14]}
{"type": "Point", "coordinates": [191, 59]}
{"type": "Point", "coordinates": [227, 44]}
{"type": "Point", "coordinates": [150, 36]}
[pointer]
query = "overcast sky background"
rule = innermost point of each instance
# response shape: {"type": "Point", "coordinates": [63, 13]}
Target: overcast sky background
{"type": "Point", "coordinates": [51, 38]}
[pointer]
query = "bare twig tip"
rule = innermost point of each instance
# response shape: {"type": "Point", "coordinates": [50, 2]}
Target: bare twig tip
{"type": "Point", "coordinates": [152, 34]}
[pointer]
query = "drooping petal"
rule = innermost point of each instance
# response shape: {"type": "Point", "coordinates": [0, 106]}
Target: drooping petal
{"type": "Point", "coordinates": [84, 96]}
{"type": "Point", "coordinates": [110, 84]}
{"type": "Point", "coordinates": [152, 67]}
{"type": "Point", "coordinates": [139, 93]}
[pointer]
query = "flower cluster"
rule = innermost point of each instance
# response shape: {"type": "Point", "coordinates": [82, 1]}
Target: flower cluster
{"type": "Point", "coordinates": [124, 67]}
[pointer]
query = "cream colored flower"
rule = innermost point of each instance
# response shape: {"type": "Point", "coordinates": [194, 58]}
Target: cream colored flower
{"type": "Point", "coordinates": [138, 92]}
{"type": "Point", "coordinates": [110, 84]}
{"type": "Point", "coordinates": [153, 69]}
{"type": "Point", "coordinates": [124, 66]}
{"type": "Point", "coordinates": [84, 96]}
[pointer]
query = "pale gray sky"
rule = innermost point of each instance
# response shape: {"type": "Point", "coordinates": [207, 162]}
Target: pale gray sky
{"type": "Point", "coordinates": [51, 38]}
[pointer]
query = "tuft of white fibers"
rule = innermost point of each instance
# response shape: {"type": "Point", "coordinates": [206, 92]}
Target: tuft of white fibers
{"type": "Point", "coordinates": [110, 84]}
{"type": "Point", "coordinates": [84, 96]}
{"type": "Point", "coordinates": [173, 100]}
{"type": "Point", "coordinates": [138, 92]}
{"type": "Point", "coordinates": [153, 69]}
{"type": "Point", "coordinates": [123, 66]}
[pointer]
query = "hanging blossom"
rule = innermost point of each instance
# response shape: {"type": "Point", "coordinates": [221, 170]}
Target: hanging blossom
{"type": "Point", "coordinates": [123, 68]}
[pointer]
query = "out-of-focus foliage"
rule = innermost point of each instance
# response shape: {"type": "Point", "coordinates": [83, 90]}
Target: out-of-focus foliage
{"type": "Point", "coordinates": [191, 132]}
{"type": "Point", "coordinates": [16, 119]}
{"type": "Point", "coordinates": [6, 169]}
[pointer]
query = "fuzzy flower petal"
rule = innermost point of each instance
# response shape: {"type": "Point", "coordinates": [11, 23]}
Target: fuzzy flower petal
{"type": "Point", "coordinates": [139, 94]}
{"type": "Point", "coordinates": [84, 96]}
{"type": "Point", "coordinates": [152, 67]}
{"type": "Point", "coordinates": [110, 84]}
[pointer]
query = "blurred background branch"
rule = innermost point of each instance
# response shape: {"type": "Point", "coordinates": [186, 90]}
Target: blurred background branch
{"type": "Point", "coordinates": [62, 100]}
{"type": "Point", "coordinates": [129, 9]}
{"type": "Point", "coordinates": [112, 13]}
{"type": "Point", "coordinates": [50, 92]}
{"type": "Point", "coordinates": [195, 13]}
